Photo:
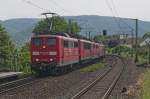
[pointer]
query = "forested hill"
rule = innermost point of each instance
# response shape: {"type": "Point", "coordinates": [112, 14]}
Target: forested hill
{"type": "Point", "coordinates": [20, 29]}
{"type": "Point", "coordinates": [98, 23]}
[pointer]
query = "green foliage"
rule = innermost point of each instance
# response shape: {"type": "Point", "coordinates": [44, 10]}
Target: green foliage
{"type": "Point", "coordinates": [146, 35]}
{"type": "Point", "coordinates": [143, 51]}
{"type": "Point", "coordinates": [109, 50]}
{"type": "Point", "coordinates": [6, 49]}
{"type": "Point", "coordinates": [125, 51]}
{"type": "Point", "coordinates": [121, 48]}
{"type": "Point", "coordinates": [102, 38]}
{"type": "Point", "coordinates": [24, 58]}
{"type": "Point", "coordinates": [93, 67]}
{"type": "Point", "coordinates": [142, 60]}
{"type": "Point", "coordinates": [146, 86]}
{"type": "Point", "coordinates": [41, 28]}
{"type": "Point", "coordinates": [74, 27]}
{"type": "Point", "coordinates": [21, 29]}
{"type": "Point", "coordinates": [59, 25]}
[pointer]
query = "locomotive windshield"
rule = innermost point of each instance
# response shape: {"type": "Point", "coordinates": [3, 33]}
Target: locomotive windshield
{"type": "Point", "coordinates": [36, 41]}
{"type": "Point", "coordinates": [51, 41]}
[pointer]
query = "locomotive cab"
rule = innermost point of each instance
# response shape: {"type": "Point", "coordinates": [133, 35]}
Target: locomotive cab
{"type": "Point", "coordinates": [44, 52]}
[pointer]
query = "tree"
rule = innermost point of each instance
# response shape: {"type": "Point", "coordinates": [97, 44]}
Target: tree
{"type": "Point", "coordinates": [73, 27]}
{"type": "Point", "coordinates": [121, 49]}
{"type": "Point", "coordinates": [59, 25]}
{"type": "Point", "coordinates": [6, 49]}
{"type": "Point", "coordinates": [24, 58]}
{"type": "Point", "coordinates": [102, 38]}
{"type": "Point", "coordinates": [146, 35]}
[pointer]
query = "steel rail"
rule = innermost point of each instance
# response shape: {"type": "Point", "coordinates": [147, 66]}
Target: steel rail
{"type": "Point", "coordinates": [84, 90]}
{"type": "Point", "coordinates": [87, 88]}
{"type": "Point", "coordinates": [15, 84]}
{"type": "Point", "coordinates": [109, 90]}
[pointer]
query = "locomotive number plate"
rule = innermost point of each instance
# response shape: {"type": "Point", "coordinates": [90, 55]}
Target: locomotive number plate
{"type": "Point", "coordinates": [44, 53]}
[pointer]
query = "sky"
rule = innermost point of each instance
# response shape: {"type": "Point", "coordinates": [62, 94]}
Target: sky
{"type": "Point", "coordinates": [33, 8]}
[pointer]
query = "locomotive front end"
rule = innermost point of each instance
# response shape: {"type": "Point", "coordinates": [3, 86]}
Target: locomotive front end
{"type": "Point", "coordinates": [44, 53]}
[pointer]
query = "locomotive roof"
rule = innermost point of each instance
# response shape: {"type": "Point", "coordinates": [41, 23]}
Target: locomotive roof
{"type": "Point", "coordinates": [43, 36]}
{"type": "Point", "coordinates": [57, 36]}
{"type": "Point", "coordinates": [69, 38]}
{"type": "Point", "coordinates": [87, 41]}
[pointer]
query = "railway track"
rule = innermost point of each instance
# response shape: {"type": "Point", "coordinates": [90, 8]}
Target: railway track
{"type": "Point", "coordinates": [91, 90]}
{"type": "Point", "coordinates": [83, 94]}
{"type": "Point", "coordinates": [6, 87]}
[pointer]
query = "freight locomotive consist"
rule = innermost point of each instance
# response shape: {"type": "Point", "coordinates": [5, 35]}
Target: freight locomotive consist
{"type": "Point", "coordinates": [52, 52]}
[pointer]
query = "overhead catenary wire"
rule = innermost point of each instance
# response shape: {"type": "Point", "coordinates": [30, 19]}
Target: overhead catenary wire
{"type": "Point", "coordinates": [120, 19]}
{"type": "Point", "coordinates": [64, 10]}
{"type": "Point", "coordinates": [35, 5]}
{"type": "Point", "coordinates": [44, 9]}
{"type": "Point", "coordinates": [60, 7]}
{"type": "Point", "coordinates": [39, 7]}
{"type": "Point", "coordinates": [129, 26]}
{"type": "Point", "coordinates": [113, 14]}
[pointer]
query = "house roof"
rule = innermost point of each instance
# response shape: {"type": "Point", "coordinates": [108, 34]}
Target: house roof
{"type": "Point", "coordinates": [128, 41]}
{"type": "Point", "coordinates": [131, 41]}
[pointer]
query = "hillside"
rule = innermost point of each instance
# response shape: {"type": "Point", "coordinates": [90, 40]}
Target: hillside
{"type": "Point", "coordinates": [20, 29]}
{"type": "Point", "coordinates": [96, 24]}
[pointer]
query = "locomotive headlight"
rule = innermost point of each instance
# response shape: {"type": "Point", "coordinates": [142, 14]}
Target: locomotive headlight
{"type": "Point", "coordinates": [36, 59]}
{"type": "Point", "coordinates": [35, 53]}
{"type": "Point", "coordinates": [52, 53]}
{"type": "Point", "coordinates": [51, 59]}
{"type": "Point", "coordinates": [44, 46]}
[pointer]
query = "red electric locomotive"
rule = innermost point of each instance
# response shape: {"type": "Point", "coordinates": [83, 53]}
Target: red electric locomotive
{"type": "Point", "coordinates": [49, 52]}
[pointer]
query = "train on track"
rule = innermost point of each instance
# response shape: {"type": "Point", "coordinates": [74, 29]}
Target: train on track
{"type": "Point", "coordinates": [50, 53]}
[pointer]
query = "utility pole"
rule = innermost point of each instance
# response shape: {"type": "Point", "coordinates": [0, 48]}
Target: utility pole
{"type": "Point", "coordinates": [70, 27]}
{"type": "Point", "coordinates": [89, 35]}
{"type": "Point", "coordinates": [132, 35]}
{"type": "Point", "coordinates": [86, 34]}
{"type": "Point", "coordinates": [119, 52]}
{"type": "Point", "coordinates": [136, 46]}
{"type": "Point", "coordinates": [148, 44]}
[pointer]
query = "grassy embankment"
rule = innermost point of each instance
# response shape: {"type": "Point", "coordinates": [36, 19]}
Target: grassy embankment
{"type": "Point", "coordinates": [94, 67]}
{"type": "Point", "coordinates": [141, 59]}
{"type": "Point", "coordinates": [146, 85]}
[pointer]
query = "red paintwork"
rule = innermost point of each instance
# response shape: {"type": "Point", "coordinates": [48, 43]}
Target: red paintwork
{"type": "Point", "coordinates": [85, 53]}
{"type": "Point", "coordinates": [41, 57]}
{"type": "Point", "coordinates": [65, 55]}
{"type": "Point", "coordinates": [69, 54]}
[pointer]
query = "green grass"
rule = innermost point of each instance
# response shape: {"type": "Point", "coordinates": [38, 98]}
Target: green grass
{"type": "Point", "coordinates": [93, 67]}
{"type": "Point", "coordinates": [146, 85]}
{"type": "Point", "coordinates": [142, 60]}
{"type": "Point", "coordinates": [4, 69]}
{"type": "Point", "coordinates": [24, 75]}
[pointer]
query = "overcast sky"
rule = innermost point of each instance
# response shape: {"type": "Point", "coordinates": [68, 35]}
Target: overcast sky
{"type": "Point", "coordinates": [122, 8]}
